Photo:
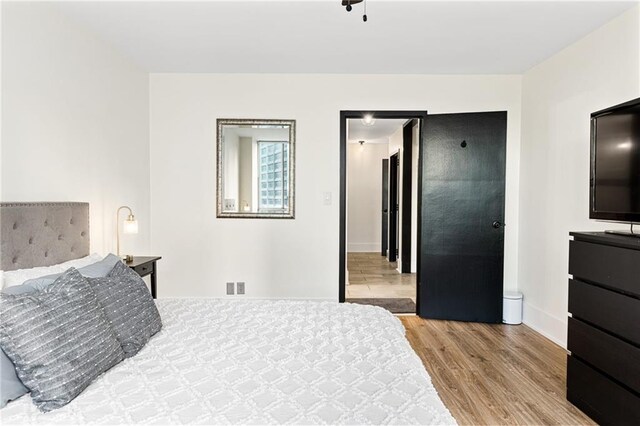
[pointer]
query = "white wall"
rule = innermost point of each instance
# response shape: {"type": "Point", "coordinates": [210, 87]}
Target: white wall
{"type": "Point", "coordinates": [248, 175]}
{"type": "Point", "coordinates": [364, 196]}
{"type": "Point", "coordinates": [1, 80]}
{"type": "Point", "coordinates": [284, 258]}
{"type": "Point", "coordinates": [230, 170]}
{"type": "Point", "coordinates": [75, 122]}
{"type": "Point", "coordinates": [558, 96]}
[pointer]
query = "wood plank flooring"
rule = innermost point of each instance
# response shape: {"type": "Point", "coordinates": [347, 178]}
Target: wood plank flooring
{"type": "Point", "coordinates": [491, 374]}
{"type": "Point", "coordinates": [372, 276]}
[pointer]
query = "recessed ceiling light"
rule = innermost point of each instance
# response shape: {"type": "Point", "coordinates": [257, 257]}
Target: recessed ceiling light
{"type": "Point", "coordinates": [368, 120]}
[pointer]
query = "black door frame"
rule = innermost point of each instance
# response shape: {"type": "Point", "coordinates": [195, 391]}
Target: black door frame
{"type": "Point", "coordinates": [385, 207]}
{"type": "Point", "coordinates": [357, 114]}
{"type": "Point", "coordinates": [394, 192]}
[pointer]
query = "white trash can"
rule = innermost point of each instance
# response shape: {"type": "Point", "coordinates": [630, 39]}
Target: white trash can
{"type": "Point", "coordinates": [512, 308]}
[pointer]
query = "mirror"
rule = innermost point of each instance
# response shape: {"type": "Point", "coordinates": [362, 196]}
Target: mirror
{"type": "Point", "coordinates": [255, 168]}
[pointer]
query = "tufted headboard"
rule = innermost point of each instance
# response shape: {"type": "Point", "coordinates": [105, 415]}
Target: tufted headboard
{"type": "Point", "coordinates": [42, 234]}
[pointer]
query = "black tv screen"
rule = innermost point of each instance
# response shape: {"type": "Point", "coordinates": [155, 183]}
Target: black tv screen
{"type": "Point", "coordinates": [615, 163]}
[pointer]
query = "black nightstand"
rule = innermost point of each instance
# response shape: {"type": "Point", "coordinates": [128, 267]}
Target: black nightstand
{"type": "Point", "coordinates": [146, 265]}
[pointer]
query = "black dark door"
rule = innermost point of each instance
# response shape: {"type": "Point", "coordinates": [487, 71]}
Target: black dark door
{"type": "Point", "coordinates": [385, 207]}
{"type": "Point", "coordinates": [407, 166]}
{"type": "Point", "coordinates": [393, 208]}
{"type": "Point", "coordinates": [462, 176]}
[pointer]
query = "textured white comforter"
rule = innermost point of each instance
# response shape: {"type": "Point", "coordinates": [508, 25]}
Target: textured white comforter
{"type": "Point", "coordinates": [258, 362]}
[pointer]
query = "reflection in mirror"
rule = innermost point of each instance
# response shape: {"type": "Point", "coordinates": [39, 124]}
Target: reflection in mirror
{"type": "Point", "coordinates": [255, 168]}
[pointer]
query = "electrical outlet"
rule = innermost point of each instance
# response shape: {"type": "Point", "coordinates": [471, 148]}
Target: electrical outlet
{"type": "Point", "coordinates": [240, 287]}
{"type": "Point", "coordinates": [230, 289]}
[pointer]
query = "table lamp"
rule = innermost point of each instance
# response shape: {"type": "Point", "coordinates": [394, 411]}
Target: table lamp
{"type": "Point", "coordinates": [130, 227]}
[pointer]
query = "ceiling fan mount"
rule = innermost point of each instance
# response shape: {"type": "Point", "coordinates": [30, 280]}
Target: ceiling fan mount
{"type": "Point", "coordinates": [348, 3]}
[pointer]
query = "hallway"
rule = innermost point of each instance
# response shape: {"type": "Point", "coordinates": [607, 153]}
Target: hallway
{"type": "Point", "coordinates": [372, 276]}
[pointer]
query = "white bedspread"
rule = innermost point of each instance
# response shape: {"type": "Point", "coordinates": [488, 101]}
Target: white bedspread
{"type": "Point", "coordinates": [258, 362]}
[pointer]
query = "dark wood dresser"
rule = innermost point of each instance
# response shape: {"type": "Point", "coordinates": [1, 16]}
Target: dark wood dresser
{"type": "Point", "coordinates": [603, 369]}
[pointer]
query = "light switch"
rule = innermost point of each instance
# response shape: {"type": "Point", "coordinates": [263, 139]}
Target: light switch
{"type": "Point", "coordinates": [326, 198]}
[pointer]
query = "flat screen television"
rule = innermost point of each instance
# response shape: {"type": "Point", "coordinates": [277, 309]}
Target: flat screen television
{"type": "Point", "coordinates": [615, 163]}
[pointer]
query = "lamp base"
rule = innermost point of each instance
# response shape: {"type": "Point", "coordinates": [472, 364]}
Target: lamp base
{"type": "Point", "coordinates": [128, 258]}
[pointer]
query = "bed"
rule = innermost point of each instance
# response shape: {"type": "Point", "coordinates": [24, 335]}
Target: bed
{"type": "Point", "coordinates": [219, 361]}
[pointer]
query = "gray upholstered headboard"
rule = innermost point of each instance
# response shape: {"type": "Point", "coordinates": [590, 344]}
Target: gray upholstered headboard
{"type": "Point", "coordinates": [42, 234]}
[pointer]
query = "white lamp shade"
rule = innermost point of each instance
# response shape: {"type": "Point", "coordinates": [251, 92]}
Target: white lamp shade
{"type": "Point", "coordinates": [131, 226]}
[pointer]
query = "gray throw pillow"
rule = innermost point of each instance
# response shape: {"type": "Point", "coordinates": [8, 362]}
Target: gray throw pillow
{"type": "Point", "coordinates": [128, 305]}
{"type": "Point", "coordinates": [10, 385]}
{"type": "Point", "coordinates": [58, 339]}
{"type": "Point", "coordinates": [101, 268]}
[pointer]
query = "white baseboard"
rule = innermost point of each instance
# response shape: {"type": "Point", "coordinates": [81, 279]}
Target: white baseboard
{"type": "Point", "coordinates": [551, 327]}
{"type": "Point", "coordinates": [245, 297]}
{"type": "Point", "coordinates": [364, 247]}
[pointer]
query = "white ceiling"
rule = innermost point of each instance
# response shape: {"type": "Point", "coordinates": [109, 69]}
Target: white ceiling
{"type": "Point", "coordinates": [379, 132]}
{"type": "Point", "coordinates": [305, 36]}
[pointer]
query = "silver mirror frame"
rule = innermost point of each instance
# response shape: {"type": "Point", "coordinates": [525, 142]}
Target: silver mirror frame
{"type": "Point", "coordinates": [220, 122]}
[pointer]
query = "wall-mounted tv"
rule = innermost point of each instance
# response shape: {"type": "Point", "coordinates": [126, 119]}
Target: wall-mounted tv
{"type": "Point", "coordinates": [615, 163]}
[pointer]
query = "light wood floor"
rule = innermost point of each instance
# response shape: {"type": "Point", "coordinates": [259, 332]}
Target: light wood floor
{"type": "Point", "coordinates": [494, 374]}
{"type": "Point", "coordinates": [371, 275]}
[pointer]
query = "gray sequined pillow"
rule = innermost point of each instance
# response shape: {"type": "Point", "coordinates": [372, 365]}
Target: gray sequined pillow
{"type": "Point", "coordinates": [129, 307]}
{"type": "Point", "coordinates": [58, 338]}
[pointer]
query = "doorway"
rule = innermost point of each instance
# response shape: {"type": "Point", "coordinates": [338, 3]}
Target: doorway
{"type": "Point", "coordinates": [379, 270]}
{"type": "Point", "coordinates": [458, 206]}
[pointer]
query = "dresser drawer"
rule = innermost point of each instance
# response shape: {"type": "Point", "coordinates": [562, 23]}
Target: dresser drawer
{"type": "Point", "coordinates": [613, 267]}
{"type": "Point", "coordinates": [607, 353]}
{"type": "Point", "coordinates": [606, 309]}
{"type": "Point", "coordinates": [599, 397]}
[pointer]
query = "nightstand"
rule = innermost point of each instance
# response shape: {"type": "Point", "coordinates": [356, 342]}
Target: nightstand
{"type": "Point", "coordinates": [146, 265]}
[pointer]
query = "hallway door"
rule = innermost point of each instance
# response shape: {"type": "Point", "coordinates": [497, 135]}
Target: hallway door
{"type": "Point", "coordinates": [461, 210]}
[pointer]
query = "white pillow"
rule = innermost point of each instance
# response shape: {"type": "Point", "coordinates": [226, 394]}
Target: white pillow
{"type": "Point", "coordinates": [17, 277]}
{"type": "Point", "coordinates": [80, 263]}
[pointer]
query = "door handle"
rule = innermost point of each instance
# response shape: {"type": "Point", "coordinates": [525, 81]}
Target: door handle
{"type": "Point", "coordinates": [496, 224]}
{"type": "Point", "coordinates": [385, 211]}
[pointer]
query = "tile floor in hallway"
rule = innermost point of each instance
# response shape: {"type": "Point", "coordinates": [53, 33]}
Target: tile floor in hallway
{"type": "Point", "coordinates": [371, 275]}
